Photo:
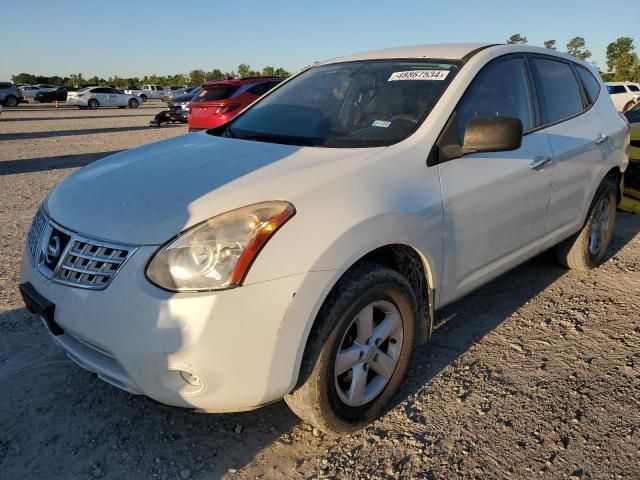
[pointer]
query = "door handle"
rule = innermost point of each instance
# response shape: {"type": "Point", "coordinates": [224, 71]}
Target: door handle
{"type": "Point", "coordinates": [600, 139]}
{"type": "Point", "coordinates": [540, 162]}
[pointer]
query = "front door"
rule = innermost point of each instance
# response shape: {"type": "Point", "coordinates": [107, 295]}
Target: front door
{"type": "Point", "coordinates": [495, 204]}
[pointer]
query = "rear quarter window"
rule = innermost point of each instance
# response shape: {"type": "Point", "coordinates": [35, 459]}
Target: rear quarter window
{"type": "Point", "coordinates": [591, 85]}
{"type": "Point", "coordinates": [633, 88]}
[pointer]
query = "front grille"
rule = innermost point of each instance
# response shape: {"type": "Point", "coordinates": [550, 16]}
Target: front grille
{"type": "Point", "coordinates": [90, 264]}
{"type": "Point", "coordinates": [72, 259]}
{"type": "Point", "coordinates": [35, 235]}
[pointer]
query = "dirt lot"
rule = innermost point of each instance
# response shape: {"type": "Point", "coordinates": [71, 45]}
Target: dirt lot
{"type": "Point", "coordinates": [536, 375]}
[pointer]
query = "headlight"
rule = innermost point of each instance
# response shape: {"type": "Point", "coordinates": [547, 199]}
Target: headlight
{"type": "Point", "coordinates": [217, 253]}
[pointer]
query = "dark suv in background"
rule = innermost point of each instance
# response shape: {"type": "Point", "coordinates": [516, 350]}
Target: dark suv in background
{"type": "Point", "coordinates": [10, 95]}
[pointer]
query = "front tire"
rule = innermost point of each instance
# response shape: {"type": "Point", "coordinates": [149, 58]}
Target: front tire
{"type": "Point", "coordinates": [586, 249]}
{"type": "Point", "coordinates": [93, 104]}
{"type": "Point", "coordinates": [11, 101]}
{"type": "Point", "coordinates": [358, 352]}
{"type": "Point", "coordinates": [133, 103]}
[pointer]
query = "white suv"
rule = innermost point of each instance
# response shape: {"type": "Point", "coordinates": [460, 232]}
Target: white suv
{"type": "Point", "coordinates": [623, 94]}
{"type": "Point", "coordinates": [302, 250]}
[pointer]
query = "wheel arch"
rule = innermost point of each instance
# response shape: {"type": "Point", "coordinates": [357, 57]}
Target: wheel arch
{"type": "Point", "coordinates": [401, 257]}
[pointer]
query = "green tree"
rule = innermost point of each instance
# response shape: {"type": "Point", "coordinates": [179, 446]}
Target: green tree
{"type": "Point", "coordinates": [575, 48]}
{"type": "Point", "coordinates": [281, 72]}
{"type": "Point", "coordinates": [516, 39]}
{"type": "Point", "coordinates": [268, 71]}
{"type": "Point", "coordinates": [622, 46]}
{"type": "Point", "coordinates": [627, 68]}
{"type": "Point", "coordinates": [27, 78]}
{"type": "Point", "coordinates": [244, 70]}
{"type": "Point", "coordinates": [550, 44]}
{"type": "Point", "coordinates": [197, 77]}
{"type": "Point", "coordinates": [215, 74]}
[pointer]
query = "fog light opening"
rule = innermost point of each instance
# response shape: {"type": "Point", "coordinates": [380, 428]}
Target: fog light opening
{"type": "Point", "coordinates": [191, 379]}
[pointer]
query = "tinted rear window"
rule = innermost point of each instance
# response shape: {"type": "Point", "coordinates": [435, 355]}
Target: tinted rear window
{"type": "Point", "coordinates": [561, 96]}
{"type": "Point", "coordinates": [6, 85]}
{"type": "Point", "coordinates": [215, 92]}
{"type": "Point", "coordinates": [633, 88]}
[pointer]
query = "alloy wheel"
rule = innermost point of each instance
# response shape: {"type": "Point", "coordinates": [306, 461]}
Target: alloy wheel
{"type": "Point", "coordinates": [599, 226]}
{"type": "Point", "coordinates": [369, 353]}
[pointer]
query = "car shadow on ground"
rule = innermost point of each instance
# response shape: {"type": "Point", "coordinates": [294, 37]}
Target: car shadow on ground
{"type": "Point", "coordinates": [124, 436]}
{"type": "Point", "coordinates": [30, 165]}
{"type": "Point", "coordinates": [68, 133]}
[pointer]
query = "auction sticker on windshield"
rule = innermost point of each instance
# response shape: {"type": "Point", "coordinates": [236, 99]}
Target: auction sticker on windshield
{"type": "Point", "coordinates": [419, 75]}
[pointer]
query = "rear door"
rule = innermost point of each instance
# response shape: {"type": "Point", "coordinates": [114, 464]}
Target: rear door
{"type": "Point", "coordinates": [578, 139]}
{"type": "Point", "coordinates": [116, 98]}
{"type": "Point", "coordinates": [100, 94]}
{"type": "Point", "coordinates": [495, 204]}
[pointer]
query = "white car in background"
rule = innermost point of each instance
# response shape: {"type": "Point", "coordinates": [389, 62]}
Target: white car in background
{"type": "Point", "coordinates": [301, 251]}
{"type": "Point", "coordinates": [96, 97]}
{"type": "Point", "coordinates": [45, 87]}
{"type": "Point", "coordinates": [624, 95]}
{"type": "Point", "coordinates": [29, 91]}
{"type": "Point", "coordinates": [153, 91]}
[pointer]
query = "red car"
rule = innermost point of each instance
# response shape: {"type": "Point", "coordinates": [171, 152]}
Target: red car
{"type": "Point", "coordinates": [218, 102]}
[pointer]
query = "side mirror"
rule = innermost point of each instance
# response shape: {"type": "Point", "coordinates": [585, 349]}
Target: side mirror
{"type": "Point", "coordinates": [492, 134]}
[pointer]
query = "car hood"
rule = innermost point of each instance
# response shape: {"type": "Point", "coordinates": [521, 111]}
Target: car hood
{"type": "Point", "coordinates": [149, 194]}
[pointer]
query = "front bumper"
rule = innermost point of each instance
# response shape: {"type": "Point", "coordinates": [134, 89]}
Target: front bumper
{"type": "Point", "coordinates": [243, 345]}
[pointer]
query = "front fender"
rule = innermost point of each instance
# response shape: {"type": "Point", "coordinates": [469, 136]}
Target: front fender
{"type": "Point", "coordinates": [422, 232]}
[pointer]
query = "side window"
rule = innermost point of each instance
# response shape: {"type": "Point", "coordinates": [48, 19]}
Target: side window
{"type": "Point", "coordinates": [99, 90]}
{"type": "Point", "coordinates": [614, 89]}
{"type": "Point", "coordinates": [5, 85]}
{"type": "Point", "coordinates": [591, 85]}
{"type": "Point", "coordinates": [559, 89]}
{"type": "Point", "coordinates": [633, 88]}
{"type": "Point", "coordinates": [501, 89]}
{"type": "Point", "coordinates": [259, 89]}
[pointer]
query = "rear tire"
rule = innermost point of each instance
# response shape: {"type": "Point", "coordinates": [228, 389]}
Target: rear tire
{"type": "Point", "coordinates": [93, 104]}
{"type": "Point", "coordinates": [586, 249]}
{"type": "Point", "coordinates": [366, 326]}
{"type": "Point", "coordinates": [133, 103]}
{"type": "Point", "coordinates": [11, 101]}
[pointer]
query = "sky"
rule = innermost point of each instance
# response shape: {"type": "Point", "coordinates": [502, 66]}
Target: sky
{"type": "Point", "coordinates": [141, 37]}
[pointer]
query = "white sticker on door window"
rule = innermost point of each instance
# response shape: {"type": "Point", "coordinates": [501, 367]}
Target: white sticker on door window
{"type": "Point", "coordinates": [419, 75]}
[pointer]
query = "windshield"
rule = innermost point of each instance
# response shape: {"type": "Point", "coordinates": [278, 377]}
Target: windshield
{"type": "Point", "coordinates": [354, 104]}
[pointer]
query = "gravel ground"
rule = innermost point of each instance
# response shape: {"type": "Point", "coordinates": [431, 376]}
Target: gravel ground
{"type": "Point", "coordinates": [536, 375]}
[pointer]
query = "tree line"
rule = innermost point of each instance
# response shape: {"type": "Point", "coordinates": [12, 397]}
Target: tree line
{"type": "Point", "coordinates": [623, 63]}
{"type": "Point", "coordinates": [195, 77]}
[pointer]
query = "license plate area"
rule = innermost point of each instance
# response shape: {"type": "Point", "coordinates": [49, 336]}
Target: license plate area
{"type": "Point", "coordinates": [39, 305]}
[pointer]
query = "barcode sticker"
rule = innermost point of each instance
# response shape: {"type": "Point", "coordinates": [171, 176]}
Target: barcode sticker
{"type": "Point", "coordinates": [419, 75]}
